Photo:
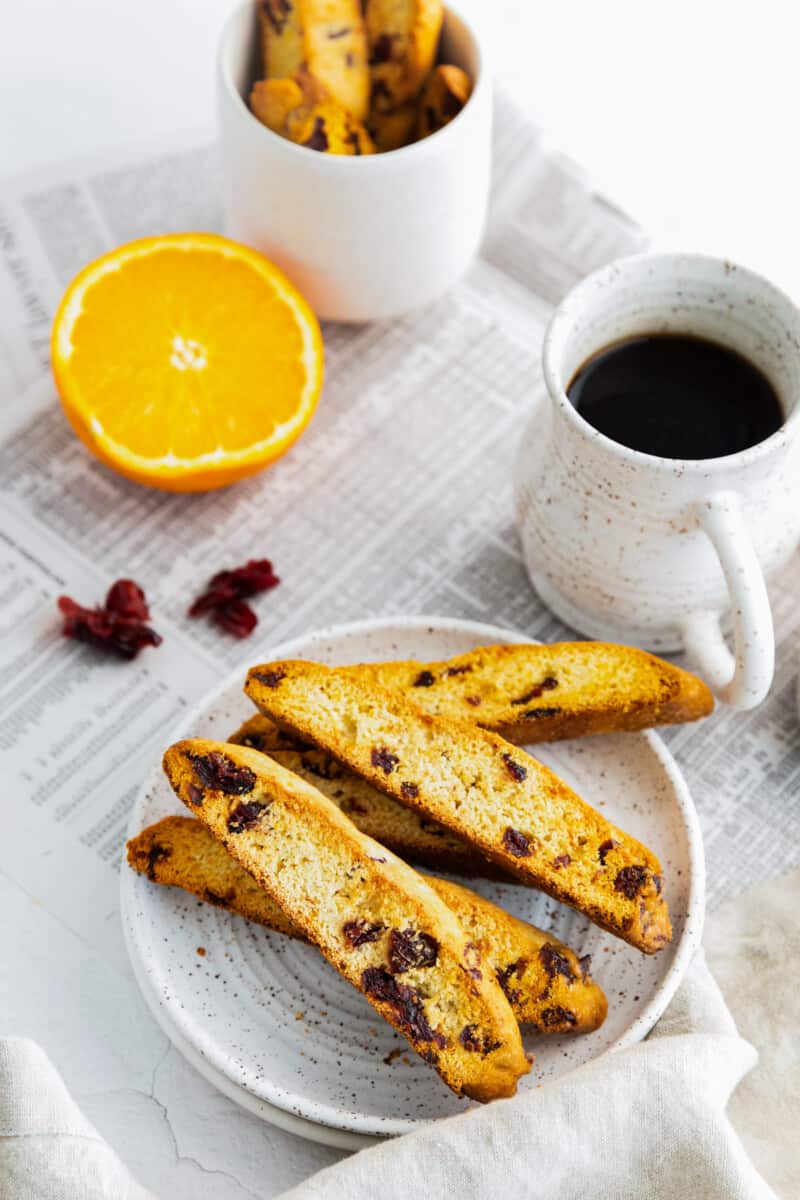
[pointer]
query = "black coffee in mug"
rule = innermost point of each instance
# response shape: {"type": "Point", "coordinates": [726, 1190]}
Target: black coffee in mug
{"type": "Point", "coordinates": [676, 396]}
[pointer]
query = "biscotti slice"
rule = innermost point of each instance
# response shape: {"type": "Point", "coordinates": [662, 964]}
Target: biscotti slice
{"type": "Point", "coordinates": [327, 38]}
{"type": "Point", "coordinates": [402, 36]}
{"type": "Point", "coordinates": [508, 805]}
{"type": "Point", "coordinates": [409, 834]}
{"type": "Point", "coordinates": [537, 693]}
{"type": "Point", "coordinates": [446, 91]}
{"type": "Point", "coordinates": [544, 981]}
{"type": "Point", "coordinates": [374, 919]}
{"type": "Point", "coordinates": [302, 111]}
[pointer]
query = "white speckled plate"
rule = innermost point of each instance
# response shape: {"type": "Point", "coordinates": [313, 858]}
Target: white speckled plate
{"type": "Point", "coordinates": [271, 1024]}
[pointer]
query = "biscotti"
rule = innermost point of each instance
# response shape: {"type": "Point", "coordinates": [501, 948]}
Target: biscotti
{"type": "Point", "coordinates": [536, 693]}
{"type": "Point", "coordinates": [301, 110]}
{"type": "Point", "coordinates": [545, 983]}
{"type": "Point", "coordinates": [414, 837]}
{"type": "Point", "coordinates": [374, 919]}
{"type": "Point", "coordinates": [327, 38]}
{"type": "Point", "coordinates": [508, 805]}
{"type": "Point", "coordinates": [446, 92]}
{"type": "Point", "coordinates": [402, 36]}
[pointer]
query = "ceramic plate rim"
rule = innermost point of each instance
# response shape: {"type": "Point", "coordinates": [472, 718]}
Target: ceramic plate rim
{"type": "Point", "coordinates": [347, 1122]}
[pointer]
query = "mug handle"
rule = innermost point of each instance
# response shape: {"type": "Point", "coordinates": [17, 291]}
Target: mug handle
{"type": "Point", "coordinates": [743, 679]}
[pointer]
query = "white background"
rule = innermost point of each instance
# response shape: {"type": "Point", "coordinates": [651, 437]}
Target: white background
{"type": "Point", "coordinates": [685, 112]}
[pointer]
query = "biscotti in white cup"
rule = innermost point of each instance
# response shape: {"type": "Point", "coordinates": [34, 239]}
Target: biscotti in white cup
{"type": "Point", "coordinates": [363, 238]}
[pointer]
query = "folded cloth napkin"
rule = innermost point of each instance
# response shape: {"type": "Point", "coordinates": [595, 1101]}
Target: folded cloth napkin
{"type": "Point", "coordinates": [48, 1150]}
{"type": "Point", "coordinates": [645, 1123]}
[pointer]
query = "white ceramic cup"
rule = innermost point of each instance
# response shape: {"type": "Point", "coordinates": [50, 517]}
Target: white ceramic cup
{"type": "Point", "coordinates": [658, 552]}
{"type": "Point", "coordinates": [363, 238]}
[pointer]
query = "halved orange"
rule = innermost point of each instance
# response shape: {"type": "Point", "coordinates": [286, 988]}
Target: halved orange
{"type": "Point", "coordinates": [186, 361]}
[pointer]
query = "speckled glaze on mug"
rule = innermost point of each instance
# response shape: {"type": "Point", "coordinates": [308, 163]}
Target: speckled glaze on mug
{"type": "Point", "coordinates": [658, 552]}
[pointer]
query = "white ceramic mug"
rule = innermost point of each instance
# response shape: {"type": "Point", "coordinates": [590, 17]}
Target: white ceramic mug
{"type": "Point", "coordinates": [657, 552]}
{"type": "Point", "coordinates": [363, 238]}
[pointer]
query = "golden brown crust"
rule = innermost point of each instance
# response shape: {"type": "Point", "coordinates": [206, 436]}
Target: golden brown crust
{"type": "Point", "coordinates": [371, 915]}
{"type": "Point", "coordinates": [508, 805]}
{"type": "Point", "coordinates": [301, 110]}
{"type": "Point", "coordinates": [545, 983]}
{"type": "Point", "coordinates": [327, 38]}
{"type": "Point", "coordinates": [446, 92]}
{"type": "Point", "coordinates": [402, 36]}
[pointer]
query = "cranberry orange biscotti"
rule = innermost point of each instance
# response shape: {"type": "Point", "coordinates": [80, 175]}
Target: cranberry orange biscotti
{"type": "Point", "coordinates": [374, 919]}
{"type": "Point", "coordinates": [535, 693]}
{"type": "Point", "coordinates": [407, 833]}
{"type": "Point", "coordinates": [508, 805]}
{"type": "Point", "coordinates": [545, 983]}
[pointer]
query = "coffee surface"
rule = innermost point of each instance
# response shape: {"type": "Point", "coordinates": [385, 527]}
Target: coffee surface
{"type": "Point", "coordinates": [676, 396]}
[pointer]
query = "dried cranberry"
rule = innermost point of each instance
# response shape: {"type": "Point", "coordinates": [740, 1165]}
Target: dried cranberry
{"type": "Point", "coordinates": [561, 860]}
{"type": "Point", "coordinates": [118, 627]}
{"type": "Point", "coordinates": [554, 962]}
{"type": "Point", "coordinates": [409, 791]}
{"type": "Point", "coordinates": [471, 1039]}
{"type": "Point", "coordinates": [516, 843]}
{"type": "Point", "coordinates": [514, 970]}
{"type": "Point", "coordinates": [405, 1003]}
{"type": "Point", "coordinates": [383, 758]}
{"type": "Point", "coordinates": [630, 881]}
{"type": "Point", "coordinates": [236, 618]}
{"type": "Point", "coordinates": [605, 848]}
{"type": "Point", "coordinates": [270, 679]}
{"type": "Point", "coordinates": [195, 794]}
{"type": "Point", "coordinates": [556, 1016]}
{"type": "Point", "coordinates": [532, 713]}
{"type": "Point", "coordinates": [466, 670]}
{"type": "Point", "coordinates": [515, 769]}
{"type": "Point", "coordinates": [339, 33]}
{"type": "Point", "coordinates": [154, 855]}
{"type": "Point", "coordinates": [424, 679]}
{"type": "Point", "coordinates": [245, 816]}
{"type": "Point", "coordinates": [409, 948]}
{"type": "Point", "coordinates": [319, 137]}
{"type": "Point", "coordinates": [226, 590]}
{"type": "Point", "coordinates": [218, 772]}
{"type": "Point", "coordinates": [127, 598]}
{"type": "Point", "coordinates": [547, 685]}
{"type": "Point", "coordinates": [381, 50]}
{"type": "Point", "coordinates": [323, 768]}
{"type": "Point", "coordinates": [473, 700]}
{"type": "Point", "coordinates": [359, 932]}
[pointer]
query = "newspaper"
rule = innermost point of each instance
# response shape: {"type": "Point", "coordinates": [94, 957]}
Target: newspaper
{"type": "Point", "coordinates": [397, 500]}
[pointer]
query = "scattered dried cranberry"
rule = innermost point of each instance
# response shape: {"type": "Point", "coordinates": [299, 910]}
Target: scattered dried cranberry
{"type": "Point", "coordinates": [553, 1017]}
{"type": "Point", "coordinates": [547, 685]}
{"type": "Point", "coordinates": [515, 769]}
{"type": "Point", "coordinates": [116, 628]}
{"type": "Point", "coordinates": [322, 767]}
{"type": "Point", "coordinates": [630, 881]}
{"type": "Point", "coordinates": [561, 860]}
{"type": "Point", "coordinates": [195, 794]}
{"type": "Point", "coordinates": [405, 1002]}
{"type": "Point", "coordinates": [382, 49]}
{"type": "Point", "coordinates": [466, 670]}
{"type": "Point", "coordinates": [409, 791]}
{"type": "Point", "coordinates": [533, 713]}
{"type": "Point", "coordinates": [516, 843]}
{"type": "Point", "coordinates": [473, 700]}
{"type": "Point", "coordinates": [514, 970]}
{"type": "Point", "coordinates": [424, 679]}
{"type": "Point", "coordinates": [383, 758]}
{"type": "Point", "coordinates": [410, 948]}
{"type": "Point", "coordinates": [155, 855]}
{"type": "Point", "coordinates": [471, 1039]}
{"type": "Point", "coordinates": [270, 679]}
{"type": "Point", "coordinates": [359, 932]}
{"type": "Point", "coordinates": [319, 137]}
{"type": "Point", "coordinates": [245, 816]}
{"type": "Point", "coordinates": [605, 848]}
{"type": "Point", "coordinates": [555, 963]}
{"type": "Point", "coordinates": [219, 773]}
{"type": "Point", "coordinates": [226, 592]}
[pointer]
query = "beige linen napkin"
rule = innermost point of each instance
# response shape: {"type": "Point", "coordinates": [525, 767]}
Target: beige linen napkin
{"type": "Point", "coordinates": [646, 1123]}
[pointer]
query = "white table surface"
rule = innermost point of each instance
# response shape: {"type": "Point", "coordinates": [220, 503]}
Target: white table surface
{"type": "Point", "coordinates": [684, 113]}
